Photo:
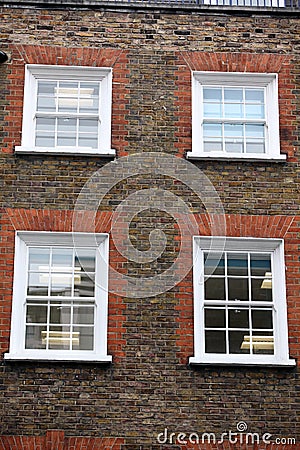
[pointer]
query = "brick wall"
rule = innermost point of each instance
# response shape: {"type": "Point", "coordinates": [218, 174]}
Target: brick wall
{"type": "Point", "coordinates": [149, 386]}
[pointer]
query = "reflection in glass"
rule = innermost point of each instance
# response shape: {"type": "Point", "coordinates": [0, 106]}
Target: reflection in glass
{"type": "Point", "coordinates": [237, 264]}
{"type": "Point", "coordinates": [215, 341]}
{"type": "Point", "coordinates": [214, 264]}
{"type": "Point", "coordinates": [215, 318]}
{"type": "Point", "coordinates": [214, 289]}
{"type": "Point", "coordinates": [236, 339]}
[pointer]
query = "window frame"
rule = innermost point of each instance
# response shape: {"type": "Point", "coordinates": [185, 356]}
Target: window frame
{"type": "Point", "coordinates": [36, 72]}
{"type": "Point", "coordinates": [268, 81]}
{"type": "Point", "coordinates": [25, 239]}
{"type": "Point", "coordinates": [274, 246]}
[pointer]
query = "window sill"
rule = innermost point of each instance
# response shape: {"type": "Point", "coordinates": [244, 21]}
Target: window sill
{"type": "Point", "coordinates": [263, 362]}
{"type": "Point", "coordinates": [241, 157]}
{"type": "Point", "coordinates": [65, 151]}
{"type": "Point", "coordinates": [93, 358]}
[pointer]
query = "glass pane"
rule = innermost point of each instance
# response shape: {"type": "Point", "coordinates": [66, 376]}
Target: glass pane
{"type": "Point", "coordinates": [255, 131]}
{"type": "Point", "coordinates": [261, 289]}
{"type": "Point", "coordinates": [89, 98]}
{"type": "Point", "coordinates": [234, 147]}
{"type": "Point", "coordinates": [88, 126]}
{"type": "Point", "coordinates": [238, 289]}
{"type": "Point", "coordinates": [33, 337]}
{"type": "Point", "coordinates": [84, 285]}
{"type": "Point", "coordinates": [62, 260]}
{"type": "Point", "coordinates": [237, 343]}
{"type": "Point", "coordinates": [263, 342]}
{"type": "Point", "coordinates": [233, 110]}
{"type": "Point", "coordinates": [67, 97]}
{"type": "Point", "coordinates": [39, 259]}
{"type": "Point", "coordinates": [88, 141]}
{"type": "Point", "coordinates": [46, 88]}
{"type": "Point", "coordinates": [233, 130]}
{"type": "Point", "coordinates": [212, 94]}
{"type": "Point", "coordinates": [65, 141]}
{"type": "Point", "coordinates": [83, 315]}
{"type": "Point", "coordinates": [66, 126]}
{"type": "Point", "coordinates": [214, 264]}
{"type": "Point", "coordinates": [44, 124]}
{"type": "Point", "coordinates": [85, 260]}
{"type": "Point", "coordinates": [215, 318]}
{"type": "Point", "coordinates": [213, 110]}
{"type": "Point", "coordinates": [36, 314]}
{"type": "Point", "coordinates": [86, 338]}
{"type": "Point", "coordinates": [214, 289]}
{"type": "Point", "coordinates": [262, 318]}
{"type": "Point", "coordinates": [61, 284]}
{"type": "Point", "coordinates": [46, 104]}
{"type": "Point", "coordinates": [215, 342]}
{"type": "Point", "coordinates": [212, 130]}
{"type": "Point", "coordinates": [44, 140]}
{"type": "Point", "coordinates": [60, 314]}
{"type": "Point", "coordinates": [255, 147]}
{"type": "Point", "coordinates": [260, 265]}
{"type": "Point", "coordinates": [38, 284]}
{"type": "Point", "coordinates": [213, 146]}
{"type": "Point", "coordinates": [59, 338]}
{"type": "Point", "coordinates": [254, 111]}
{"type": "Point", "coordinates": [237, 264]}
{"type": "Point", "coordinates": [238, 318]}
{"type": "Point", "coordinates": [233, 95]}
{"type": "Point", "coordinates": [254, 95]}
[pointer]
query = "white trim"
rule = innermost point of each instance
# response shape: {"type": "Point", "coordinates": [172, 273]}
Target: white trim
{"type": "Point", "coordinates": [35, 72]}
{"type": "Point", "coordinates": [268, 81]}
{"type": "Point", "coordinates": [220, 244]}
{"type": "Point", "coordinates": [23, 239]}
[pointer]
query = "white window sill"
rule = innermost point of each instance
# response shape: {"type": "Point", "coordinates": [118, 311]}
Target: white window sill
{"type": "Point", "coordinates": [56, 356]}
{"type": "Point", "coordinates": [236, 157]}
{"type": "Point", "coordinates": [65, 151]}
{"type": "Point", "coordinates": [263, 361]}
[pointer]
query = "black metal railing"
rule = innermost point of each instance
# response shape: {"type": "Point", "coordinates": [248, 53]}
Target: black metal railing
{"type": "Point", "coordinates": [257, 4]}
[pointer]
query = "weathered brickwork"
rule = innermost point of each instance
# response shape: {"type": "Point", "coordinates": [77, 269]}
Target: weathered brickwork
{"type": "Point", "coordinates": [149, 386]}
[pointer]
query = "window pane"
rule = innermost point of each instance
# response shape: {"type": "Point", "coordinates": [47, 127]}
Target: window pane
{"type": "Point", "coordinates": [46, 88]}
{"type": "Point", "coordinates": [88, 141]}
{"type": "Point", "coordinates": [89, 98]}
{"type": "Point", "coordinates": [33, 337]}
{"type": "Point", "coordinates": [84, 285]}
{"type": "Point", "coordinates": [212, 130]}
{"type": "Point", "coordinates": [254, 111]}
{"type": "Point", "coordinates": [213, 110]}
{"type": "Point", "coordinates": [263, 342]}
{"type": "Point", "coordinates": [88, 126]}
{"type": "Point", "coordinates": [261, 289]}
{"type": "Point", "coordinates": [215, 318]}
{"type": "Point", "coordinates": [83, 315]}
{"type": "Point", "coordinates": [234, 147]}
{"type": "Point", "coordinates": [238, 318]}
{"type": "Point", "coordinates": [45, 124]}
{"type": "Point", "coordinates": [67, 93]}
{"type": "Point", "coordinates": [62, 259]}
{"type": "Point", "coordinates": [238, 289]}
{"type": "Point", "coordinates": [86, 338]}
{"type": "Point", "coordinates": [237, 343]}
{"type": "Point", "coordinates": [44, 140]}
{"type": "Point", "coordinates": [67, 126]}
{"type": "Point", "coordinates": [215, 342]}
{"type": "Point", "coordinates": [36, 314]}
{"type": "Point", "coordinates": [262, 318]}
{"type": "Point", "coordinates": [254, 95]}
{"type": "Point", "coordinates": [60, 314]}
{"type": "Point", "coordinates": [237, 264]}
{"type": "Point", "coordinates": [85, 259]}
{"type": "Point", "coordinates": [65, 141]}
{"type": "Point", "coordinates": [233, 110]}
{"type": "Point", "coordinates": [214, 264]}
{"type": "Point", "coordinates": [255, 131]}
{"type": "Point", "coordinates": [38, 284]}
{"type": "Point", "coordinates": [232, 95]}
{"type": "Point", "coordinates": [39, 259]}
{"type": "Point", "coordinates": [234, 130]}
{"type": "Point", "coordinates": [212, 94]}
{"type": "Point", "coordinates": [59, 338]}
{"type": "Point", "coordinates": [61, 284]}
{"type": "Point", "coordinates": [260, 264]}
{"type": "Point", "coordinates": [213, 146]}
{"type": "Point", "coordinates": [214, 289]}
{"type": "Point", "coordinates": [255, 147]}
